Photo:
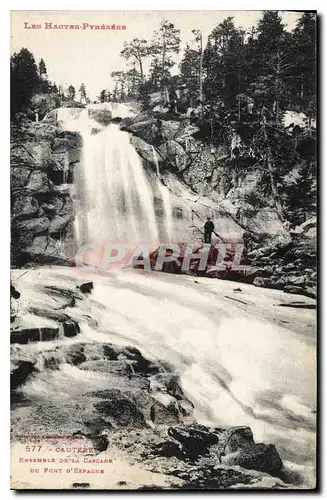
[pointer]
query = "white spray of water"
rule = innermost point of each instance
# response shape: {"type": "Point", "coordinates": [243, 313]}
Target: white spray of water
{"type": "Point", "coordinates": [116, 198]}
{"type": "Point", "coordinates": [166, 199]}
{"type": "Point", "coordinates": [237, 367]}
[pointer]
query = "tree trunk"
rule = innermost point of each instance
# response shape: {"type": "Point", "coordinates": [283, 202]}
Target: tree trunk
{"type": "Point", "coordinates": [163, 87]}
{"type": "Point", "coordinates": [200, 76]}
{"type": "Point", "coordinates": [277, 88]}
{"type": "Point", "coordinates": [141, 68]}
{"type": "Point", "coordinates": [302, 87]}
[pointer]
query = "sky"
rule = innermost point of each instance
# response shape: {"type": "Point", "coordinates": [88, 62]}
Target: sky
{"type": "Point", "coordinates": [88, 55]}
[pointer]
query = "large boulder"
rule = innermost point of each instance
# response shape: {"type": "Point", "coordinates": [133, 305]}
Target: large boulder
{"type": "Point", "coordinates": [122, 368]}
{"type": "Point", "coordinates": [210, 270]}
{"type": "Point", "coordinates": [195, 440]}
{"type": "Point", "coordinates": [174, 155]}
{"type": "Point", "coordinates": [241, 450]}
{"type": "Point", "coordinates": [59, 222]}
{"type": "Point", "coordinates": [119, 410]}
{"type": "Point", "coordinates": [38, 182]}
{"type": "Point", "coordinates": [167, 383]}
{"type": "Point", "coordinates": [164, 415]}
{"type": "Point", "coordinates": [20, 370]}
{"type": "Point", "coordinates": [25, 208]}
{"type": "Point", "coordinates": [144, 149]}
{"type": "Point", "coordinates": [26, 335]}
{"type": "Point", "coordinates": [100, 113]}
{"type": "Point", "coordinates": [35, 226]}
{"type": "Point", "coordinates": [260, 457]}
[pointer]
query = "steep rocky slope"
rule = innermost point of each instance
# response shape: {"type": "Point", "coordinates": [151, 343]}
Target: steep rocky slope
{"type": "Point", "coordinates": [43, 158]}
{"type": "Point", "coordinates": [282, 252]}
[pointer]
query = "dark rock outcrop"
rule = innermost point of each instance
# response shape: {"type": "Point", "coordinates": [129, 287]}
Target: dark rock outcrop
{"type": "Point", "coordinates": [26, 335]}
{"type": "Point", "coordinates": [120, 411]}
{"type": "Point", "coordinates": [42, 159]}
{"type": "Point", "coordinates": [111, 367]}
{"type": "Point", "coordinates": [212, 267]}
{"type": "Point", "coordinates": [20, 370]}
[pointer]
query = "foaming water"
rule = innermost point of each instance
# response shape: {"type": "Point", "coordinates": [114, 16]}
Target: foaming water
{"type": "Point", "coordinates": [237, 368]}
{"type": "Point", "coordinates": [116, 199]}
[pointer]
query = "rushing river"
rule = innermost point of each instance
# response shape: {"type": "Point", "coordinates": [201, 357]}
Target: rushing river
{"type": "Point", "coordinates": [237, 364]}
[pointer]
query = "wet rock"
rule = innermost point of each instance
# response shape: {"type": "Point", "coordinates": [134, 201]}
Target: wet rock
{"type": "Point", "coordinates": [110, 351]}
{"type": "Point", "coordinates": [15, 294]}
{"type": "Point", "coordinates": [296, 290]}
{"type": "Point", "coordinates": [52, 205]}
{"type": "Point", "coordinates": [169, 449]}
{"type": "Point", "coordinates": [140, 363]}
{"type": "Point", "coordinates": [26, 335]}
{"type": "Point", "coordinates": [88, 351]}
{"type": "Point", "coordinates": [103, 394]}
{"type": "Point", "coordinates": [212, 478]}
{"type": "Point", "coordinates": [52, 360]}
{"type": "Point", "coordinates": [19, 177]}
{"type": "Point", "coordinates": [164, 415]}
{"type": "Point", "coordinates": [100, 113]}
{"type": "Point", "coordinates": [63, 418]}
{"type": "Point", "coordinates": [75, 355]}
{"type": "Point", "coordinates": [260, 457]}
{"type": "Point", "coordinates": [238, 437]}
{"type": "Point", "coordinates": [20, 370]}
{"type": "Point", "coordinates": [120, 410]}
{"type": "Point", "coordinates": [310, 291]}
{"type": "Point", "coordinates": [167, 382]}
{"type": "Point", "coordinates": [185, 407]}
{"type": "Point", "coordinates": [123, 368]}
{"type": "Point", "coordinates": [71, 328]}
{"type": "Point", "coordinates": [144, 149]}
{"type": "Point", "coordinates": [60, 145]}
{"type": "Point", "coordinates": [263, 282]}
{"type": "Point", "coordinates": [175, 155]}
{"type": "Point", "coordinates": [241, 450]}
{"type": "Point", "coordinates": [195, 440]}
{"type": "Point", "coordinates": [86, 287]}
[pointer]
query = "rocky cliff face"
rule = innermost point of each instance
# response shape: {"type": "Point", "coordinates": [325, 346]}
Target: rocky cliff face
{"type": "Point", "coordinates": [43, 159]}
{"type": "Point", "coordinates": [283, 254]}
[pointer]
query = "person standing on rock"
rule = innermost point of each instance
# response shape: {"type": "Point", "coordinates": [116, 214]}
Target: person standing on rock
{"type": "Point", "coordinates": [208, 230]}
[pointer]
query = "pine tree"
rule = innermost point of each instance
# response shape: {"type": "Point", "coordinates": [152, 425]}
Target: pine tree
{"type": "Point", "coordinates": [191, 68]}
{"type": "Point", "coordinates": [271, 54]}
{"type": "Point", "coordinates": [165, 45]}
{"type": "Point", "coordinates": [71, 92]}
{"type": "Point", "coordinates": [224, 64]}
{"type": "Point", "coordinates": [137, 49]}
{"type": "Point", "coordinates": [82, 92]}
{"type": "Point", "coordinates": [42, 69]}
{"type": "Point", "coordinates": [103, 96]}
{"type": "Point", "coordinates": [24, 79]}
{"type": "Point", "coordinates": [304, 55]}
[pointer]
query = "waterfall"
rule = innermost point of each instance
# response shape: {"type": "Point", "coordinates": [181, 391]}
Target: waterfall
{"type": "Point", "coordinates": [166, 199]}
{"type": "Point", "coordinates": [116, 197]}
{"type": "Point", "coordinates": [116, 200]}
{"type": "Point", "coordinates": [155, 159]}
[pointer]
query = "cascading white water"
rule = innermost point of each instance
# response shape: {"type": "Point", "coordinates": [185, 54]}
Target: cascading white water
{"type": "Point", "coordinates": [166, 199]}
{"type": "Point", "coordinates": [238, 366]}
{"type": "Point", "coordinates": [115, 198]}
{"type": "Point", "coordinates": [116, 201]}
